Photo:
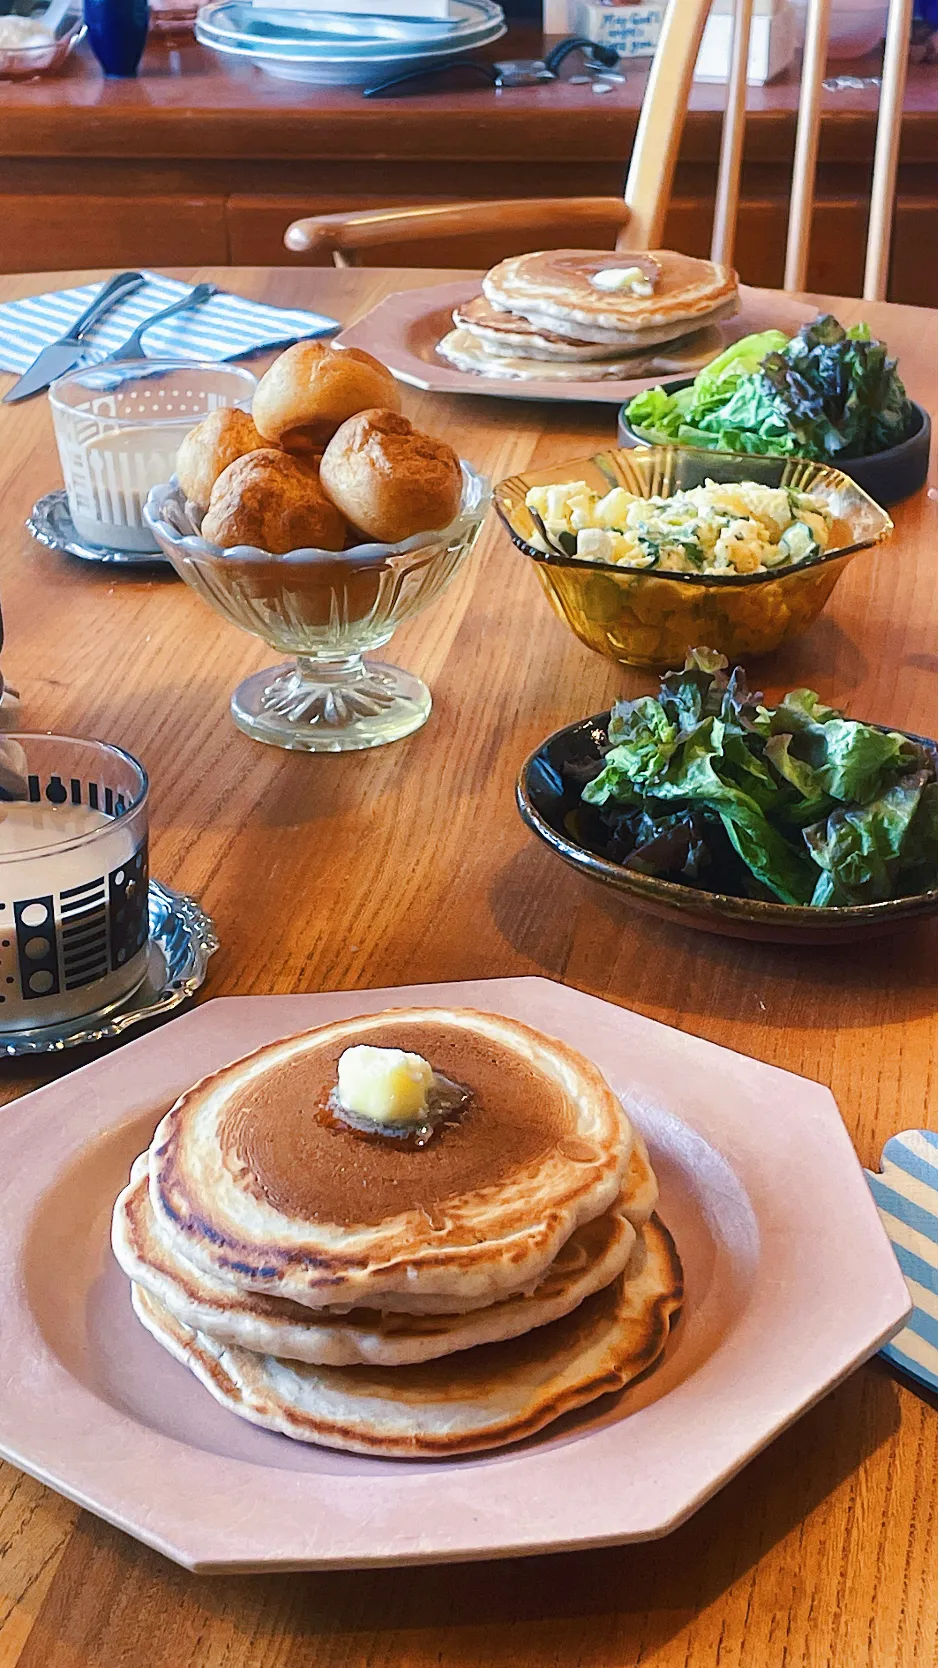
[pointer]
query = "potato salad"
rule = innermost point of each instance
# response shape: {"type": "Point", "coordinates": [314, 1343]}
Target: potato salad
{"type": "Point", "coordinates": [739, 527]}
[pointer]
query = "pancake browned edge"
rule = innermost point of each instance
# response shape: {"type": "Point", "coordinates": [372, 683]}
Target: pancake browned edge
{"type": "Point", "coordinates": [593, 1256]}
{"type": "Point", "coordinates": [480, 1398]}
{"type": "Point", "coordinates": [464, 350]}
{"type": "Point", "coordinates": [503, 333]}
{"type": "Point", "coordinates": [253, 1179]}
{"type": "Point", "coordinates": [552, 289]}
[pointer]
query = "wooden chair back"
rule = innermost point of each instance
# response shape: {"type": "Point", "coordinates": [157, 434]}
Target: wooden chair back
{"type": "Point", "coordinates": [638, 219]}
{"type": "Point", "coordinates": [886, 151]}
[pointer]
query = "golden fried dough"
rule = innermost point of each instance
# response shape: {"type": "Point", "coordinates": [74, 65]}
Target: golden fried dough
{"type": "Point", "coordinates": [274, 502]}
{"type": "Point", "coordinates": [301, 400]}
{"type": "Point", "coordinates": [223, 436]}
{"type": "Point", "coordinates": [389, 479]}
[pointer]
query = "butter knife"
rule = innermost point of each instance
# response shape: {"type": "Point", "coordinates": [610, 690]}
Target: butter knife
{"type": "Point", "coordinates": [63, 355]}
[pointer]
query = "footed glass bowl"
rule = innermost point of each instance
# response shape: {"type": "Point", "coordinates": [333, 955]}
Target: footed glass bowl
{"type": "Point", "coordinates": [325, 608]}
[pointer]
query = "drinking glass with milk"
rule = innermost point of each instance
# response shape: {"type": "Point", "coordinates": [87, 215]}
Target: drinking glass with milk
{"type": "Point", "coordinates": [74, 914]}
{"type": "Point", "coordinates": [118, 428]}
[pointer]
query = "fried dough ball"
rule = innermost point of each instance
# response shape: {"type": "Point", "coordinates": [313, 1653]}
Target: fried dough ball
{"type": "Point", "coordinates": [389, 479]}
{"type": "Point", "coordinates": [275, 502]}
{"type": "Point", "coordinates": [301, 400]}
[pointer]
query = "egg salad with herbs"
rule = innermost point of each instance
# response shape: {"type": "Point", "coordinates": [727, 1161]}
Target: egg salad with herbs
{"type": "Point", "coordinates": [738, 527]}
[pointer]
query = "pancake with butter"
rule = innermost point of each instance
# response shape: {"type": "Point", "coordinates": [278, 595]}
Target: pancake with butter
{"type": "Point", "coordinates": [464, 350]}
{"type": "Point", "coordinates": [504, 333]}
{"type": "Point", "coordinates": [253, 1177]}
{"type": "Point", "coordinates": [572, 293]}
{"type": "Point", "coordinates": [480, 1398]}
{"type": "Point", "coordinates": [684, 357]}
{"type": "Point", "coordinates": [593, 1256]}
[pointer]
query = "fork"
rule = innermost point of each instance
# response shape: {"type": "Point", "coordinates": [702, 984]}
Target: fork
{"type": "Point", "coordinates": [133, 347]}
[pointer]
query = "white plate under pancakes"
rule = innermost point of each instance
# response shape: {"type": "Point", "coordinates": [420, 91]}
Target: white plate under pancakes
{"type": "Point", "coordinates": [788, 1288]}
{"type": "Point", "coordinates": [404, 329]}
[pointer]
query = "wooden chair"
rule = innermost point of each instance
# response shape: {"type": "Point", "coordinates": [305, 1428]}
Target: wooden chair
{"type": "Point", "coordinates": [637, 219]}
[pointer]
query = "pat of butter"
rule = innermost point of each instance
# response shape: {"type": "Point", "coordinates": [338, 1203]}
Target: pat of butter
{"type": "Point", "coordinates": [384, 1085]}
{"type": "Point", "coordinates": [632, 279]}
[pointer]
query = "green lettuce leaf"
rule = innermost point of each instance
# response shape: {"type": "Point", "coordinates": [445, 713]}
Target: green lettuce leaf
{"type": "Point", "coordinates": [663, 417]}
{"type": "Point", "coordinates": [862, 849]}
{"type": "Point", "coordinates": [724, 374]}
{"type": "Point", "coordinates": [827, 393]}
{"type": "Point", "coordinates": [793, 801]}
{"type": "Point", "coordinates": [643, 743]}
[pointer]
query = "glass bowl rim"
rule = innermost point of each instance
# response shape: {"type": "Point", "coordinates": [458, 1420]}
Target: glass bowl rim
{"type": "Point", "coordinates": [139, 800]}
{"type": "Point", "coordinates": [477, 496]}
{"type": "Point", "coordinates": [673, 891]}
{"type": "Point", "coordinates": [154, 365]}
{"type": "Point", "coordinates": [71, 26]}
{"type": "Point", "coordinates": [708, 581]}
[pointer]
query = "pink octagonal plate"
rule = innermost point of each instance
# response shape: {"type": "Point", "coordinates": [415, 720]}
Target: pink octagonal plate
{"type": "Point", "coordinates": [790, 1284]}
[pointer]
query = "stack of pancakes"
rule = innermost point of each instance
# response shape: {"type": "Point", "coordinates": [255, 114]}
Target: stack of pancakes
{"type": "Point", "coordinates": [360, 1291]}
{"type": "Point", "coordinates": [543, 316]}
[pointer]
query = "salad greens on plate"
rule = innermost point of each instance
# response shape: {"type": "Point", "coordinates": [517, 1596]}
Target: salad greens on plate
{"type": "Point", "coordinates": [705, 785]}
{"type": "Point", "coordinates": [828, 394]}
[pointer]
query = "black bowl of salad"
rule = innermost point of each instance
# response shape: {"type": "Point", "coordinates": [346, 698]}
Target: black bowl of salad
{"type": "Point", "coordinates": [787, 824]}
{"type": "Point", "coordinates": [829, 393]}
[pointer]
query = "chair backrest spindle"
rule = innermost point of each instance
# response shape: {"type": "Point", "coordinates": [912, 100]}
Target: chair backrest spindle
{"type": "Point", "coordinates": [806, 152]}
{"type": "Point", "coordinates": [661, 119]}
{"type": "Point", "coordinates": [724, 229]}
{"type": "Point", "coordinates": [887, 150]}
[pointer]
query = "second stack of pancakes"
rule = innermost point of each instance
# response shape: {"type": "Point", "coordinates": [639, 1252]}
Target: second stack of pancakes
{"type": "Point", "coordinates": [558, 314]}
{"type": "Point", "coordinates": [365, 1292]}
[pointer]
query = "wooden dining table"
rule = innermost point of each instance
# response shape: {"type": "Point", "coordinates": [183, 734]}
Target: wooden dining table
{"type": "Point", "coordinates": [410, 864]}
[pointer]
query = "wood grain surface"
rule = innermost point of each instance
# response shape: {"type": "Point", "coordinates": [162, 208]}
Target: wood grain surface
{"type": "Point", "coordinates": [202, 159]}
{"type": "Point", "coordinates": [411, 864]}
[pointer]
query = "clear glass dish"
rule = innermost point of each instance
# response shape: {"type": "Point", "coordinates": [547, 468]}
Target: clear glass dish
{"type": "Point", "coordinates": [26, 63]}
{"type": "Point", "coordinates": [644, 617]}
{"type": "Point", "coordinates": [325, 608]}
{"type": "Point", "coordinates": [118, 428]}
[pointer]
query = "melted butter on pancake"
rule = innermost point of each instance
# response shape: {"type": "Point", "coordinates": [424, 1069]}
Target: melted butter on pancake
{"type": "Point", "coordinates": [630, 279]}
{"type": "Point", "coordinates": [585, 265]}
{"type": "Point", "coordinates": [384, 1085]}
{"type": "Point", "coordinates": [286, 1144]}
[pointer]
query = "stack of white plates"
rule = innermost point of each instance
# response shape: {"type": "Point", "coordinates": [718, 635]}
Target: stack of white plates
{"type": "Point", "coordinates": [339, 50]}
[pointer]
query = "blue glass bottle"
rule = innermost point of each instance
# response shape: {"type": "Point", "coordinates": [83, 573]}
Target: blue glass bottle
{"type": "Point", "coordinates": [117, 30]}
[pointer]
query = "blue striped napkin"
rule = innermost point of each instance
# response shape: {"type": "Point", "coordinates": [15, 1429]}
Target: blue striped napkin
{"type": "Point", "coordinates": [226, 327]}
{"type": "Point", "coordinates": [906, 1199]}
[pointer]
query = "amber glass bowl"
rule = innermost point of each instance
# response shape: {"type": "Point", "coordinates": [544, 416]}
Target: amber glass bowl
{"type": "Point", "coordinates": [646, 617]}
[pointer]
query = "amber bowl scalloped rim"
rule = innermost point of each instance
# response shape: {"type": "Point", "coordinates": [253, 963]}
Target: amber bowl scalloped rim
{"type": "Point", "coordinates": [544, 798]}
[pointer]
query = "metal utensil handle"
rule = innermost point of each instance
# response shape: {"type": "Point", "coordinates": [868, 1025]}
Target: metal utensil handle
{"type": "Point", "coordinates": [114, 291]}
{"type": "Point", "coordinates": [378, 89]}
{"type": "Point", "coordinates": [133, 347]}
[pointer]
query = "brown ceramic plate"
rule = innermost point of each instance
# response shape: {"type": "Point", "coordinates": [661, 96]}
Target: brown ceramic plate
{"type": "Point", "coordinates": [404, 329]}
{"type": "Point", "coordinates": [545, 797]}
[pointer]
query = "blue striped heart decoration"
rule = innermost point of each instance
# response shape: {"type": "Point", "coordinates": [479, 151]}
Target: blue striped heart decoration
{"type": "Point", "coordinates": [906, 1198]}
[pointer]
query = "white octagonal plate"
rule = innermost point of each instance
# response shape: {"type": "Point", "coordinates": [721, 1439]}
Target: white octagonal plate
{"type": "Point", "coordinates": [790, 1284]}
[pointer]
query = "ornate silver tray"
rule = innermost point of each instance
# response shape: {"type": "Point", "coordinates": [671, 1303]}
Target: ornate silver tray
{"type": "Point", "coordinates": [51, 524]}
{"type": "Point", "coordinates": [182, 938]}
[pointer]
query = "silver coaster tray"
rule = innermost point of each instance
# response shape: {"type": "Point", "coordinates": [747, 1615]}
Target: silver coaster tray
{"type": "Point", "coordinates": [51, 525]}
{"type": "Point", "coordinates": [182, 938]}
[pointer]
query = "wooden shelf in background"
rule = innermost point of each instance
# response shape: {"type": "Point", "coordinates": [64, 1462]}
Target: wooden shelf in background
{"type": "Point", "coordinates": [199, 160]}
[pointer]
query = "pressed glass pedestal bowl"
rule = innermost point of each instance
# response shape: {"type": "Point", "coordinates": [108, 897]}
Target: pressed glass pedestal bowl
{"type": "Point", "coordinates": [325, 608]}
